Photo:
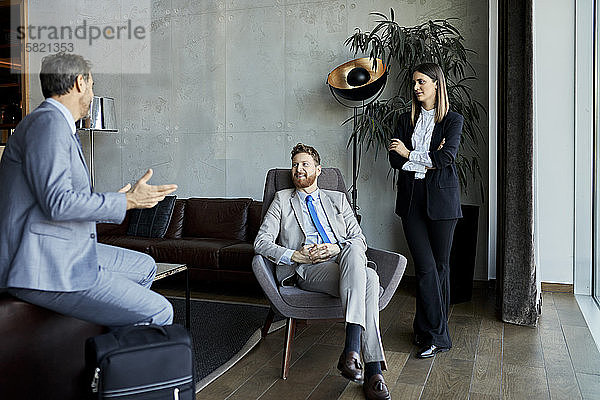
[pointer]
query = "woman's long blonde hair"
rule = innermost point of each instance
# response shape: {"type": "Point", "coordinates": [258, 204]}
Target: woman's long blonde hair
{"type": "Point", "coordinates": [442, 105]}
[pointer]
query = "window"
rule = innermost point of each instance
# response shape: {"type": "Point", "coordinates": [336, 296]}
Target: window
{"type": "Point", "coordinates": [596, 172]}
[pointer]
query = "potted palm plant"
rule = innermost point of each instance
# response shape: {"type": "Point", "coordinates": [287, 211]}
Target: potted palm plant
{"type": "Point", "coordinates": [402, 49]}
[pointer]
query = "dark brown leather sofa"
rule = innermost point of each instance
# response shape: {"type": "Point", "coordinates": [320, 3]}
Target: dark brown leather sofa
{"type": "Point", "coordinates": [212, 236]}
{"type": "Point", "coordinates": [41, 352]}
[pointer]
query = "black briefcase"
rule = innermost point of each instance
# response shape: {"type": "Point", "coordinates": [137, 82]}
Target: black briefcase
{"type": "Point", "coordinates": [141, 362]}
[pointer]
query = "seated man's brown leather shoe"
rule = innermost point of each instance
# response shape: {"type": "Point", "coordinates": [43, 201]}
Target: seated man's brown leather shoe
{"type": "Point", "coordinates": [350, 366]}
{"type": "Point", "coordinates": [376, 389]}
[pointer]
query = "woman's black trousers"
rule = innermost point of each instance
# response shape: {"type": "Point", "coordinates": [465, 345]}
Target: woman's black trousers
{"type": "Point", "coordinates": [430, 242]}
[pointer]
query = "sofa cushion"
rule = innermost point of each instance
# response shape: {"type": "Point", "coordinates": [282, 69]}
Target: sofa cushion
{"type": "Point", "coordinates": [151, 222]}
{"type": "Point", "coordinates": [175, 229]}
{"type": "Point", "coordinates": [194, 252]}
{"type": "Point", "coordinates": [216, 218]}
{"type": "Point", "coordinates": [129, 242]}
{"type": "Point", "coordinates": [237, 257]}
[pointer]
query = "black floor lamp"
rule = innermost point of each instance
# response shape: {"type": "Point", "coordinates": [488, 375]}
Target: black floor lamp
{"type": "Point", "coordinates": [357, 81]}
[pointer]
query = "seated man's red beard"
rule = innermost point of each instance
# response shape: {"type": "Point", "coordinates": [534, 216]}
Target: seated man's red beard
{"type": "Point", "coordinates": [304, 182]}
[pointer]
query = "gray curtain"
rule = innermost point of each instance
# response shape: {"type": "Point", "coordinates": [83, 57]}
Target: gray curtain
{"type": "Point", "coordinates": [517, 293]}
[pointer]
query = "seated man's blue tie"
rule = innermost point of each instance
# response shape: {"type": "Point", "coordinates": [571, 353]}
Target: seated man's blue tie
{"type": "Point", "coordinates": [315, 219]}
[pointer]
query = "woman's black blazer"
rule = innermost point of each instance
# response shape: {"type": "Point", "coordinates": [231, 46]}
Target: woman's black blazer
{"type": "Point", "coordinates": [443, 192]}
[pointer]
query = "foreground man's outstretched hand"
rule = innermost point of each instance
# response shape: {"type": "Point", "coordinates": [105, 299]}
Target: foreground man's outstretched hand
{"type": "Point", "coordinates": [143, 195]}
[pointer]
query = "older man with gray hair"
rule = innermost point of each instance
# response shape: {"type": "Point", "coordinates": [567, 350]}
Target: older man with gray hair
{"type": "Point", "coordinates": [49, 254]}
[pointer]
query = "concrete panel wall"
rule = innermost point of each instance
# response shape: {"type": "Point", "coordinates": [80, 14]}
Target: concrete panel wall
{"type": "Point", "coordinates": [235, 84]}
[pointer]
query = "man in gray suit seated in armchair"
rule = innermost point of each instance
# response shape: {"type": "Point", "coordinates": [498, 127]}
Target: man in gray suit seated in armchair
{"type": "Point", "coordinates": [49, 254]}
{"type": "Point", "coordinates": [315, 240]}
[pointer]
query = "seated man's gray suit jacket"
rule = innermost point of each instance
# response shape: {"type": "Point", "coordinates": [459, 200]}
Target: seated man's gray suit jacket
{"type": "Point", "coordinates": [283, 229]}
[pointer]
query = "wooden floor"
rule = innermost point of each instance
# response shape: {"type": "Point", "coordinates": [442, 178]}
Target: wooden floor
{"type": "Point", "coordinates": [489, 359]}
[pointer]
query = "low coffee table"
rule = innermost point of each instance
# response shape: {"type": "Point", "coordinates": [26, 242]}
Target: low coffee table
{"type": "Point", "coordinates": [163, 270]}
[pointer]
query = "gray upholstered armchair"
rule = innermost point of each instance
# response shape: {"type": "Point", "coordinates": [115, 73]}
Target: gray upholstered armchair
{"type": "Point", "coordinates": [294, 303]}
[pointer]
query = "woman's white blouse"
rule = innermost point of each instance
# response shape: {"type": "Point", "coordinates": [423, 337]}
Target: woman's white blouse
{"type": "Point", "coordinates": [419, 158]}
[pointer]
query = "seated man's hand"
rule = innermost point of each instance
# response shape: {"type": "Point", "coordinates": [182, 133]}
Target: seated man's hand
{"type": "Point", "coordinates": [323, 252]}
{"type": "Point", "coordinates": [302, 256]}
{"type": "Point", "coordinates": [143, 195]}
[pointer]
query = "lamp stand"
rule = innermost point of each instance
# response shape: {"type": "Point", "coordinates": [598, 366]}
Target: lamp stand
{"type": "Point", "coordinates": [355, 158]}
{"type": "Point", "coordinates": [354, 163]}
{"type": "Point", "coordinates": [100, 118]}
{"type": "Point", "coordinates": [92, 169]}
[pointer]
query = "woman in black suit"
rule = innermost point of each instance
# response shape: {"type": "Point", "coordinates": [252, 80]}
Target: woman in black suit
{"type": "Point", "coordinates": [424, 150]}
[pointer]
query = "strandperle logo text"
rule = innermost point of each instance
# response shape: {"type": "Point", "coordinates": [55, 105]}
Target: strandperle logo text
{"type": "Point", "coordinates": [81, 32]}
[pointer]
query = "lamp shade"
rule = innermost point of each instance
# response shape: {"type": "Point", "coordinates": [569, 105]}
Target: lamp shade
{"type": "Point", "coordinates": [357, 80]}
{"type": "Point", "coordinates": [101, 117]}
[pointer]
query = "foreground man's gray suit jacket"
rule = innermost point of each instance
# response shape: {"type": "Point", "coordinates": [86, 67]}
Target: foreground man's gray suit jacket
{"type": "Point", "coordinates": [48, 228]}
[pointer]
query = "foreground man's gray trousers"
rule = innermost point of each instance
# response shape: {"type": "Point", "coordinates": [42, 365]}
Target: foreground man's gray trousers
{"type": "Point", "coordinates": [348, 277]}
{"type": "Point", "coordinates": [120, 296]}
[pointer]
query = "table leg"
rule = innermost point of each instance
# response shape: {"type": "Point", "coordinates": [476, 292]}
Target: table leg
{"type": "Point", "coordinates": [187, 299]}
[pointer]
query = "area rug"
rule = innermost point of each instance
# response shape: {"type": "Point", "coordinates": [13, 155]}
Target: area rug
{"type": "Point", "coordinates": [222, 333]}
